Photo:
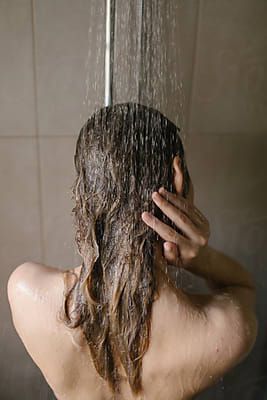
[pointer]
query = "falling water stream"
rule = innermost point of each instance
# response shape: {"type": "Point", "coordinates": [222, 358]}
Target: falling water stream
{"type": "Point", "coordinates": [109, 52]}
{"type": "Point", "coordinates": [134, 55]}
{"type": "Point", "coordinates": [156, 60]}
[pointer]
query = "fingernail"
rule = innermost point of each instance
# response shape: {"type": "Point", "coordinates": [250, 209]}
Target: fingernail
{"type": "Point", "coordinates": [167, 246]}
{"type": "Point", "coordinates": [162, 190]}
{"type": "Point", "coordinates": [146, 215]}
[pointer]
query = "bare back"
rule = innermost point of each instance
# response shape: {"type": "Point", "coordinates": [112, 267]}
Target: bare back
{"type": "Point", "coordinates": [175, 367]}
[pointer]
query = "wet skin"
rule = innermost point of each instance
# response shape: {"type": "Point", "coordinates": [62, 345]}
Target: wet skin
{"type": "Point", "coordinates": [194, 341]}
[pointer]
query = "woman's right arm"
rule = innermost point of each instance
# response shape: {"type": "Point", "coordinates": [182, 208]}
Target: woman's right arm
{"type": "Point", "coordinates": [232, 304]}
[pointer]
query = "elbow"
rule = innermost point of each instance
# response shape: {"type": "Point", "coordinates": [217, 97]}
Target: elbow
{"type": "Point", "coordinates": [245, 331]}
{"type": "Point", "coordinates": [249, 334]}
{"type": "Point", "coordinates": [243, 345]}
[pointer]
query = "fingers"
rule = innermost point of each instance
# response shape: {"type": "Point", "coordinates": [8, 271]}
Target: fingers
{"type": "Point", "coordinates": [164, 231]}
{"type": "Point", "coordinates": [171, 254]}
{"type": "Point", "coordinates": [180, 218]}
{"type": "Point", "coordinates": [188, 208]}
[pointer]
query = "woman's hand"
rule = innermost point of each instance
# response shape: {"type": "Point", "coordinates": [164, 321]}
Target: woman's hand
{"type": "Point", "coordinates": [179, 250]}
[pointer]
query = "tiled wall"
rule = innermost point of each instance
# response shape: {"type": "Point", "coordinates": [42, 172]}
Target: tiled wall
{"type": "Point", "coordinates": [227, 152]}
{"type": "Point", "coordinates": [52, 79]}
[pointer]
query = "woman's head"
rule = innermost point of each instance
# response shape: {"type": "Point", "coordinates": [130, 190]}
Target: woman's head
{"type": "Point", "coordinates": [123, 153]}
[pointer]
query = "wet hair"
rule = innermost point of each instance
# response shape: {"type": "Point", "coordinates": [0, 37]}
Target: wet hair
{"type": "Point", "coordinates": [123, 153]}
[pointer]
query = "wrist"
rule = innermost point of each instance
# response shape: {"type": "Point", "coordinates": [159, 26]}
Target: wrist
{"type": "Point", "coordinates": [203, 257]}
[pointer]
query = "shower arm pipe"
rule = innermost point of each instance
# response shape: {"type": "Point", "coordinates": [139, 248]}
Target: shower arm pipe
{"type": "Point", "coordinates": [109, 51]}
{"type": "Point", "coordinates": [140, 47]}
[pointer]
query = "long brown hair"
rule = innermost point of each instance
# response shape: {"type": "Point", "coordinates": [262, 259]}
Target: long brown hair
{"type": "Point", "coordinates": [123, 153]}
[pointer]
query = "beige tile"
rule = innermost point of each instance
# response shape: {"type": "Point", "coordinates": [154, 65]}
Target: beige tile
{"type": "Point", "coordinates": [20, 223]}
{"type": "Point", "coordinates": [16, 69]}
{"type": "Point", "coordinates": [57, 176]}
{"type": "Point", "coordinates": [229, 177]}
{"type": "Point", "coordinates": [230, 86]}
{"type": "Point", "coordinates": [154, 50]}
{"type": "Point", "coordinates": [20, 241]}
{"type": "Point", "coordinates": [187, 27]}
{"type": "Point", "coordinates": [69, 35]}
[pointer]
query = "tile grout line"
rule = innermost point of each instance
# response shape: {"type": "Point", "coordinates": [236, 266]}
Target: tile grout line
{"type": "Point", "coordinates": [39, 177]}
{"type": "Point", "coordinates": [190, 105]}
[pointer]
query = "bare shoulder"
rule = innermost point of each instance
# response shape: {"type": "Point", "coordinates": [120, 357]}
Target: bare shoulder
{"type": "Point", "coordinates": [31, 272]}
{"type": "Point", "coordinates": [215, 331]}
{"type": "Point", "coordinates": [35, 297]}
{"type": "Point", "coordinates": [33, 292]}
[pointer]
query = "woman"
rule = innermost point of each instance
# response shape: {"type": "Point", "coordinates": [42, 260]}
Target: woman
{"type": "Point", "coordinates": [117, 327]}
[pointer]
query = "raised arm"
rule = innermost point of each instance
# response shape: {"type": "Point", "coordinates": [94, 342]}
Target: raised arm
{"type": "Point", "coordinates": [230, 309]}
{"type": "Point", "coordinates": [220, 270]}
{"type": "Point", "coordinates": [234, 292]}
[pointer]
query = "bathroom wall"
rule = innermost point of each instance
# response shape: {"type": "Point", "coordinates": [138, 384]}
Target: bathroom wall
{"type": "Point", "coordinates": [52, 79]}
